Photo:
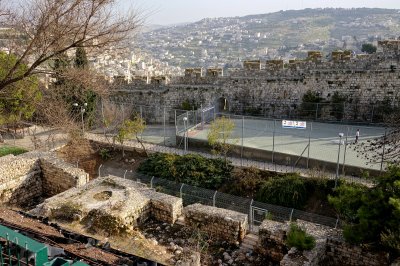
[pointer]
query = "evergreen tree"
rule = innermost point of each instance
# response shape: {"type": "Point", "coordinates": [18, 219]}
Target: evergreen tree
{"type": "Point", "coordinates": [81, 60]}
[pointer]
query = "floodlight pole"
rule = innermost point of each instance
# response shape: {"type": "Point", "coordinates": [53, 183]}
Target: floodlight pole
{"type": "Point", "coordinates": [185, 133]}
{"type": "Point", "coordinates": [83, 110]}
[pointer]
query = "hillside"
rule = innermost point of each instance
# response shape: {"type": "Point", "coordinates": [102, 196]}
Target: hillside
{"type": "Point", "coordinates": [286, 34]}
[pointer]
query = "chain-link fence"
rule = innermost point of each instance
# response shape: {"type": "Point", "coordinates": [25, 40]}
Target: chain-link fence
{"type": "Point", "coordinates": [330, 147]}
{"type": "Point", "coordinates": [342, 111]}
{"type": "Point", "coordinates": [256, 211]}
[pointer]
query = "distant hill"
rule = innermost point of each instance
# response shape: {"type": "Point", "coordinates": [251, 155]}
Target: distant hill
{"type": "Point", "coordinates": [284, 34]}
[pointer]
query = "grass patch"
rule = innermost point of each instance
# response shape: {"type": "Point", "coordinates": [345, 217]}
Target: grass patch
{"type": "Point", "coordinates": [298, 238]}
{"type": "Point", "coordinates": [67, 212]}
{"type": "Point", "coordinates": [6, 150]}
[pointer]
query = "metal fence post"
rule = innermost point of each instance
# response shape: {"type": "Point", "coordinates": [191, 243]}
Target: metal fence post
{"type": "Point", "coordinates": [176, 125]}
{"type": "Point", "coordinates": [141, 117]}
{"type": "Point", "coordinates": [180, 191]}
{"type": "Point", "coordinates": [215, 195]}
{"type": "Point", "coordinates": [273, 141]}
{"type": "Point", "coordinates": [345, 151]}
{"type": "Point", "coordinates": [123, 112]}
{"type": "Point", "coordinates": [99, 170]}
{"type": "Point", "coordinates": [241, 148]}
{"type": "Point", "coordinates": [291, 215]}
{"type": "Point", "coordinates": [251, 218]}
{"type": "Point", "coordinates": [383, 151]}
{"type": "Point", "coordinates": [164, 124]}
{"type": "Point", "coordinates": [151, 182]}
{"type": "Point", "coordinates": [316, 113]}
{"type": "Point", "coordinates": [309, 145]}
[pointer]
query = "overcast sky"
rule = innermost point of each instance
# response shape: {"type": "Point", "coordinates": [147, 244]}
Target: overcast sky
{"type": "Point", "coordinates": [166, 12]}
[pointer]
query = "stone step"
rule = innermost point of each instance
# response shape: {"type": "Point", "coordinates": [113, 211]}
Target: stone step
{"type": "Point", "coordinates": [251, 236]}
{"type": "Point", "coordinates": [181, 221]}
{"type": "Point", "coordinates": [245, 246]}
{"type": "Point", "coordinates": [250, 242]}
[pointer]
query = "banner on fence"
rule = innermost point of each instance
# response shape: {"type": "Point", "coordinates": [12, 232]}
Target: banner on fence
{"type": "Point", "coordinates": [294, 124]}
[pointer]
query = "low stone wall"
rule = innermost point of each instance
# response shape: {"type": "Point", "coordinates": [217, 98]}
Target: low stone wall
{"type": "Point", "coordinates": [330, 248]}
{"type": "Point", "coordinates": [20, 179]}
{"type": "Point", "coordinates": [340, 253]}
{"type": "Point", "coordinates": [166, 208]}
{"type": "Point", "coordinates": [220, 223]}
{"type": "Point", "coordinates": [36, 174]}
{"type": "Point", "coordinates": [316, 255]}
{"type": "Point", "coordinates": [272, 237]}
{"type": "Point", "coordinates": [58, 176]}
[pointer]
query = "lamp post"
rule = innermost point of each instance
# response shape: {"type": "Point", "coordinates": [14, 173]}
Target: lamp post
{"type": "Point", "coordinates": [338, 158]}
{"type": "Point", "coordinates": [83, 109]}
{"type": "Point", "coordinates": [185, 134]}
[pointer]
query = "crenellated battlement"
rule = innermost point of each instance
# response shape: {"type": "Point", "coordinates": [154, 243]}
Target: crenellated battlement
{"type": "Point", "coordinates": [276, 87]}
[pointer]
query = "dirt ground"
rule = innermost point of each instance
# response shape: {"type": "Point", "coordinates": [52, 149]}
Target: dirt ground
{"type": "Point", "coordinates": [86, 154]}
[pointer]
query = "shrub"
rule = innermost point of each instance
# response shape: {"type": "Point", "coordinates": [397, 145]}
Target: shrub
{"type": "Point", "coordinates": [247, 182]}
{"type": "Point", "coordinates": [191, 169]}
{"type": "Point", "coordinates": [67, 212]}
{"type": "Point", "coordinates": [289, 190]}
{"type": "Point", "coordinates": [99, 221]}
{"type": "Point", "coordinates": [373, 214]}
{"type": "Point", "coordinates": [105, 154]}
{"type": "Point", "coordinates": [299, 239]}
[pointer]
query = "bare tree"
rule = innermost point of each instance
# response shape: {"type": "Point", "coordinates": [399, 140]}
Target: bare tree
{"type": "Point", "coordinates": [384, 149]}
{"type": "Point", "coordinates": [45, 29]}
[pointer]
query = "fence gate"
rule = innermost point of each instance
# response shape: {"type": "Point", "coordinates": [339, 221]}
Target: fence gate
{"type": "Point", "coordinates": [257, 216]}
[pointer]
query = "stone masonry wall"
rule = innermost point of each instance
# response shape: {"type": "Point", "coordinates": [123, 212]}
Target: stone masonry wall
{"type": "Point", "coordinates": [35, 174]}
{"type": "Point", "coordinates": [220, 223]}
{"type": "Point", "coordinates": [58, 176]}
{"type": "Point", "coordinates": [272, 237]}
{"type": "Point", "coordinates": [340, 253]}
{"type": "Point", "coordinates": [165, 208]}
{"type": "Point", "coordinates": [330, 249]}
{"type": "Point", "coordinates": [363, 82]}
{"type": "Point", "coordinates": [19, 179]}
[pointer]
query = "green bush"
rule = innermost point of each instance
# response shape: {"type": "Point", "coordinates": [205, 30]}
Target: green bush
{"type": "Point", "coordinates": [372, 214]}
{"type": "Point", "coordinates": [299, 239]}
{"type": "Point", "coordinates": [289, 190]}
{"type": "Point", "coordinates": [191, 169]}
{"type": "Point", "coordinates": [67, 212]}
{"type": "Point", "coordinates": [105, 154]}
{"type": "Point", "coordinates": [246, 182]}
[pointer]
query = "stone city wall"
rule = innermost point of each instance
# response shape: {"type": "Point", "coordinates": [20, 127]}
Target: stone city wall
{"type": "Point", "coordinates": [222, 224]}
{"type": "Point", "coordinates": [363, 81]}
{"type": "Point", "coordinates": [35, 174]}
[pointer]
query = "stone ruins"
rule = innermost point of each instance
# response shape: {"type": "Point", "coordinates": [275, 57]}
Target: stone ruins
{"type": "Point", "coordinates": [112, 205]}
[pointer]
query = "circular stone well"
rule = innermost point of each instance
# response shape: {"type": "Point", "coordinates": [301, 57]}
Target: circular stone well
{"type": "Point", "coordinates": [103, 196]}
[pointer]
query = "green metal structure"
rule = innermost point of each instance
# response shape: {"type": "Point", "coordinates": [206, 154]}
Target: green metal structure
{"type": "Point", "coordinates": [17, 249]}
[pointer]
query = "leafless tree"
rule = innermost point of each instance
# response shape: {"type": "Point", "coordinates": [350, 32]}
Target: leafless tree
{"type": "Point", "coordinates": [384, 149]}
{"type": "Point", "coordinates": [44, 29]}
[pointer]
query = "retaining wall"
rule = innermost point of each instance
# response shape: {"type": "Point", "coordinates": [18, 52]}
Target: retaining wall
{"type": "Point", "coordinates": [220, 223]}
{"type": "Point", "coordinates": [36, 174]}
